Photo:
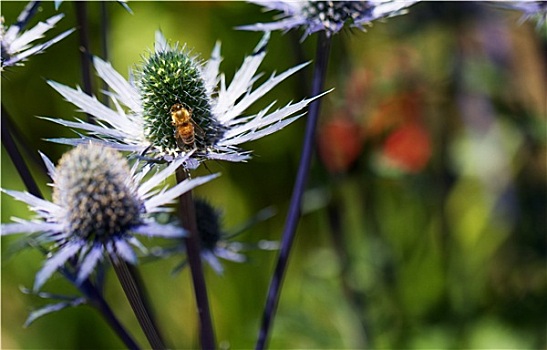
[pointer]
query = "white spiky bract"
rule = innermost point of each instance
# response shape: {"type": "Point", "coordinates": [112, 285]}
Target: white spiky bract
{"type": "Point", "coordinates": [52, 224]}
{"type": "Point", "coordinates": [123, 127]}
{"type": "Point", "coordinates": [17, 46]}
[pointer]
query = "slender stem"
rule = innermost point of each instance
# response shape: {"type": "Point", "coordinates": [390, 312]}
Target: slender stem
{"type": "Point", "coordinates": [21, 140]}
{"type": "Point", "coordinates": [188, 218]}
{"type": "Point", "coordinates": [322, 57]}
{"type": "Point", "coordinates": [105, 24]}
{"type": "Point", "coordinates": [16, 158]}
{"type": "Point", "coordinates": [83, 24]}
{"type": "Point", "coordinates": [133, 294]}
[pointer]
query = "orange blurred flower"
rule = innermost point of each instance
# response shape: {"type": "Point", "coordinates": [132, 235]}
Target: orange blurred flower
{"type": "Point", "coordinates": [408, 148]}
{"type": "Point", "coordinates": [339, 143]}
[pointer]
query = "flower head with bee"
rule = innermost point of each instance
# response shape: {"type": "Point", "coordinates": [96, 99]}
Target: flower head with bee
{"type": "Point", "coordinates": [327, 16]}
{"type": "Point", "coordinates": [178, 105]}
{"type": "Point", "coordinates": [99, 206]}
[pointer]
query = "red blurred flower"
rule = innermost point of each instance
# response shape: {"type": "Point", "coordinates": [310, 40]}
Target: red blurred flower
{"type": "Point", "coordinates": [408, 147]}
{"type": "Point", "coordinates": [340, 142]}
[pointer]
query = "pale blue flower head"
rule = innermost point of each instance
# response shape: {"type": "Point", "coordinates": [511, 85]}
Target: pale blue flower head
{"type": "Point", "coordinates": [327, 16]}
{"type": "Point", "coordinates": [216, 243]}
{"type": "Point", "coordinates": [100, 204]}
{"type": "Point", "coordinates": [172, 83]}
{"type": "Point", "coordinates": [16, 46]}
{"type": "Point", "coordinates": [531, 10]}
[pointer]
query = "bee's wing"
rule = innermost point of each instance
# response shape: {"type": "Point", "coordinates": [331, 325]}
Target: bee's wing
{"type": "Point", "coordinates": [197, 128]}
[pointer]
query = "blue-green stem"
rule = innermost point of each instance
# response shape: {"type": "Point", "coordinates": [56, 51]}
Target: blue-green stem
{"type": "Point", "coordinates": [295, 208]}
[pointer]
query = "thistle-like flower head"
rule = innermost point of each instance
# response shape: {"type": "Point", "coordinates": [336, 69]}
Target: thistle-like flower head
{"type": "Point", "coordinates": [99, 205]}
{"type": "Point", "coordinates": [16, 46]}
{"type": "Point", "coordinates": [328, 16]}
{"type": "Point", "coordinates": [179, 104]}
{"type": "Point", "coordinates": [531, 10]}
{"type": "Point", "coordinates": [177, 109]}
{"type": "Point", "coordinates": [215, 242]}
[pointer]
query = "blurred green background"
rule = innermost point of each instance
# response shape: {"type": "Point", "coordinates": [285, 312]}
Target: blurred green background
{"type": "Point", "coordinates": [425, 219]}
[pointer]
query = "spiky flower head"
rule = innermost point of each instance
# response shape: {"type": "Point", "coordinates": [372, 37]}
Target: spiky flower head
{"type": "Point", "coordinates": [15, 47]}
{"type": "Point", "coordinates": [531, 10]}
{"type": "Point", "coordinates": [216, 243]}
{"type": "Point", "coordinates": [180, 104]}
{"type": "Point", "coordinates": [99, 205]}
{"type": "Point", "coordinates": [169, 78]}
{"type": "Point", "coordinates": [91, 183]}
{"type": "Point", "coordinates": [208, 224]}
{"type": "Point", "coordinates": [328, 16]}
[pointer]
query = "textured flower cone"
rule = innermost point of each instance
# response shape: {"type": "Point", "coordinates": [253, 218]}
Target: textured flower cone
{"type": "Point", "coordinates": [170, 78]}
{"type": "Point", "coordinates": [92, 184]}
{"type": "Point", "coordinates": [327, 16]}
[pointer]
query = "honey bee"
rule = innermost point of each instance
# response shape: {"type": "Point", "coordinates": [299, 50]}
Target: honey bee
{"type": "Point", "coordinates": [185, 126]}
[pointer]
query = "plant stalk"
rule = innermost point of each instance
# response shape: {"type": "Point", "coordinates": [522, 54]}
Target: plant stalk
{"type": "Point", "coordinates": [17, 158]}
{"type": "Point", "coordinates": [193, 251]}
{"type": "Point", "coordinates": [135, 298]}
{"type": "Point", "coordinates": [293, 216]}
{"type": "Point", "coordinates": [83, 24]}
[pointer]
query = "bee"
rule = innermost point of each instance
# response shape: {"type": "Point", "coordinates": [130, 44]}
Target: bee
{"type": "Point", "coordinates": [185, 126]}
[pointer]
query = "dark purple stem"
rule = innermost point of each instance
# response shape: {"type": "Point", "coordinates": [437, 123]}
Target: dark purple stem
{"type": "Point", "coordinates": [16, 158]}
{"type": "Point", "coordinates": [320, 68]}
{"type": "Point", "coordinates": [21, 140]}
{"type": "Point", "coordinates": [83, 26]}
{"type": "Point", "coordinates": [193, 251]}
{"type": "Point", "coordinates": [105, 24]}
{"type": "Point", "coordinates": [134, 293]}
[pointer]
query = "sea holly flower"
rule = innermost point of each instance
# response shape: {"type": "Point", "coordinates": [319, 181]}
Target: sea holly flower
{"type": "Point", "coordinates": [99, 206]}
{"type": "Point", "coordinates": [16, 46]}
{"type": "Point", "coordinates": [531, 10]}
{"type": "Point", "coordinates": [215, 242]}
{"type": "Point", "coordinates": [328, 16]}
{"type": "Point", "coordinates": [178, 104]}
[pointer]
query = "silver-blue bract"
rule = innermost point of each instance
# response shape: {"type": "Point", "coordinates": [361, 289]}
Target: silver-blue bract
{"type": "Point", "coordinates": [328, 16]}
{"type": "Point", "coordinates": [16, 46]}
